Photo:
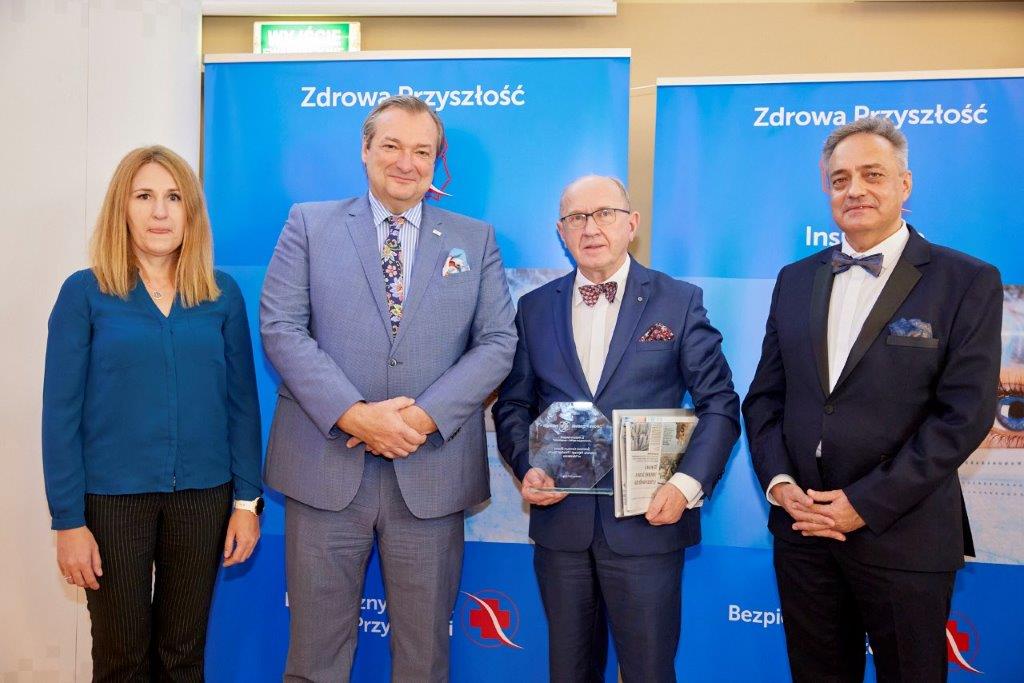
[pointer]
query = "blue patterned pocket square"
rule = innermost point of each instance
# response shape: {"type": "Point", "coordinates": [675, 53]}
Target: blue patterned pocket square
{"type": "Point", "coordinates": [911, 328]}
{"type": "Point", "coordinates": [455, 263]}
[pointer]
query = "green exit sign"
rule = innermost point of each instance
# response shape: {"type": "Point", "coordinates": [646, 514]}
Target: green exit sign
{"type": "Point", "coordinates": [283, 37]}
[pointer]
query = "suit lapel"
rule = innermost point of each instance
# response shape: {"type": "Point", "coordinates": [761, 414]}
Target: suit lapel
{"type": "Point", "coordinates": [820, 296]}
{"type": "Point", "coordinates": [904, 276]}
{"type": "Point", "coordinates": [364, 236]}
{"type": "Point", "coordinates": [561, 311]}
{"type": "Point", "coordinates": [425, 267]}
{"type": "Point", "coordinates": [634, 301]}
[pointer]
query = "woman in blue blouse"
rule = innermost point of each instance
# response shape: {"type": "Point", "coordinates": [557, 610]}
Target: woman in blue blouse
{"type": "Point", "coordinates": [150, 424]}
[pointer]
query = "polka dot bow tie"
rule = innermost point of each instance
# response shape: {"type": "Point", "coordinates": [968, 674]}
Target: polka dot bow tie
{"type": "Point", "coordinates": [591, 293]}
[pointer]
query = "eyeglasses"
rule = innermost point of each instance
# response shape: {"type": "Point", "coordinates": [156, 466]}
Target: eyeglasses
{"type": "Point", "coordinates": [602, 217]}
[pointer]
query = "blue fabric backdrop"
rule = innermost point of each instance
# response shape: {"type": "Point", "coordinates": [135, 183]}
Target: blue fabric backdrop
{"type": "Point", "coordinates": [519, 128]}
{"type": "Point", "coordinates": [738, 194]}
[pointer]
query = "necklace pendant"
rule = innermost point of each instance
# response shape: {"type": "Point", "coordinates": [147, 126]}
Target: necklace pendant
{"type": "Point", "coordinates": [158, 295]}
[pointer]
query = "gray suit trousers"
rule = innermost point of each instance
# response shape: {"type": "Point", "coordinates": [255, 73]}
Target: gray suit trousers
{"type": "Point", "coordinates": [326, 557]}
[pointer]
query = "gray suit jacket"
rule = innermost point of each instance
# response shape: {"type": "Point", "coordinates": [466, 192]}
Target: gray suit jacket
{"type": "Point", "coordinates": [325, 328]}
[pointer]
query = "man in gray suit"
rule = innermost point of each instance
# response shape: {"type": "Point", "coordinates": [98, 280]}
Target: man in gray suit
{"type": "Point", "coordinates": [389, 322]}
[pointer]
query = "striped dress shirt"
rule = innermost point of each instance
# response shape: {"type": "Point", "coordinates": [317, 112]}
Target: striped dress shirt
{"type": "Point", "coordinates": [408, 234]}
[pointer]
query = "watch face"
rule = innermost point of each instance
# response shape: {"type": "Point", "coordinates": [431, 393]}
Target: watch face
{"type": "Point", "coordinates": [259, 505]}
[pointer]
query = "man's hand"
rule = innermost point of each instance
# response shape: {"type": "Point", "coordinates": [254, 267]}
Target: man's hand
{"type": "Point", "coordinates": [78, 557]}
{"type": "Point", "coordinates": [243, 533]}
{"type": "Point", "coordinates": [418, 419]}
{"type": "Point", "coordinates": [836, 506]}
{"type": "Point", "coordinates": [537, 478]}
{"type": "Point", "coordinates": [800, 506]}
{"type": "Point", "coordinates": [381, 427]}
{"type": "Point", "coordinates": [667, 506]}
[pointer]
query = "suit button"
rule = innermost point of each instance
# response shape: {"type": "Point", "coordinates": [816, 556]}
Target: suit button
{"type": "Point", "coordinates": [392, 362]}
{"type": "Point", "coordinates": [829, 409]}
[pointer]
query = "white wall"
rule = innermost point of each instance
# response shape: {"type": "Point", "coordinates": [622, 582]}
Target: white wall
{"type": "Point", "coordinates": [82, 82]}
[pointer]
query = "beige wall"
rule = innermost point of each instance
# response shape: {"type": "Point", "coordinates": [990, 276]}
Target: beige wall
{"type": "Point", "coordinates": [684, 39]}
{"type": "Point", "coordinates": [84, 81]}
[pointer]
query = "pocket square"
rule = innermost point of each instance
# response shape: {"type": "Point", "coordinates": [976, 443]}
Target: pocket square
{"type": "Point", "coordinates": [455, 263]}
{"type": "Point", "coordinates": [658, 332]}
{"type": "Point", "coordinates": [910, 328]}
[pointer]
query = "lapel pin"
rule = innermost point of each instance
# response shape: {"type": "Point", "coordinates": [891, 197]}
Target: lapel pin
{"type": "Point", "coordinates": [437, 232]}
{"type": "Point", "coordinates": [639, 298]}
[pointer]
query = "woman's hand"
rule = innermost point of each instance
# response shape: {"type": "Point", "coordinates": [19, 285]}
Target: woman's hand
{"type": "Point", "coordinates": [243, 533]}
{"type": "Point", "coordinates": [78, 557]}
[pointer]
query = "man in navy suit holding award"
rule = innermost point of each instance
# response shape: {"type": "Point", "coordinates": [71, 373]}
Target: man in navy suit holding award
{"type": "Point", "coordinates": [877, 379]}
{"type": "Point", "coordinates": [623, 337]}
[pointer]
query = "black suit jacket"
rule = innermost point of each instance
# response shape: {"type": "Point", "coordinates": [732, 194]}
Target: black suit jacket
{"type": "Point", "coordinates": [905, 413]}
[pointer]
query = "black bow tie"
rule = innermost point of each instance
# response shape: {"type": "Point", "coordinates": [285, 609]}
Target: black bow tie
{"type": "Point", "coordinates": [843, 262]}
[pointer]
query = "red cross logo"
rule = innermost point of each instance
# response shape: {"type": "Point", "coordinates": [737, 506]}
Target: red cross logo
{"type": "Point", "coordinates": [491, 619]}
{"type": "Point", "coordinates": [961, 640]}
{"type": "Point", "coordinates": [959, 643]}
{"type": "Point", "coordinates": [481, 618]}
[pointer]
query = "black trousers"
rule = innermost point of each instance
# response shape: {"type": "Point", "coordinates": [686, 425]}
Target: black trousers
{"type": "Point", "coordinates": [146, 630]}
{"type": "Point", "coordinates": [639, 595]}
{"type": "Point", "coordinates": [830, 601]}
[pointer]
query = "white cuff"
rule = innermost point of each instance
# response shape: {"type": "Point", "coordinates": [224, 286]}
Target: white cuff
{"type": "Point", "coordinates": [777, 479]}
{"type": "Point", "coordinates": [690, 488]}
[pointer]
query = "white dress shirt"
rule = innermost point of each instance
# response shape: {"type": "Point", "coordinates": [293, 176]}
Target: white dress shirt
{"type": "Point", "coordinates": [592, 328]}
{"type": "Point", "coordinates": [854, 293]}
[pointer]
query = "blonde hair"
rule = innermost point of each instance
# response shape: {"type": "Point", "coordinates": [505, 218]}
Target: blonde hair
{"type": "Point", "coordinates": [111, 253]}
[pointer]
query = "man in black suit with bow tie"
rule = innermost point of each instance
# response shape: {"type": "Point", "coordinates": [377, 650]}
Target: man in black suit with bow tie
{"type": "Point", "coordinates": [859, 420]}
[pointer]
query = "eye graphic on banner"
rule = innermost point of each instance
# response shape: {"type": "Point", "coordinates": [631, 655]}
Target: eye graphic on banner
{"type": "Point", "coordinates": [993, 477]}
{"type": "Point", "coordinates": [961, 642]}
{"type": "Point", "coordinates": [490, 619]}
{"type": "Point", "coordinates": [1008, 426]}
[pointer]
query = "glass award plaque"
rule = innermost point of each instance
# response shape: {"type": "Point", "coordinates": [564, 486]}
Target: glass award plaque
{"type": "Point", "coordinates": [572, 442]}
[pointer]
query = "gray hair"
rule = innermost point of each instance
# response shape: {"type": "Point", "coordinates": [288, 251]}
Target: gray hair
{"type": "Point", "coordinates": [875, 125]}
{"type": "Point", "coordinates": [612, 179]}
{"type": "Point", "coordinates": [407, 103]}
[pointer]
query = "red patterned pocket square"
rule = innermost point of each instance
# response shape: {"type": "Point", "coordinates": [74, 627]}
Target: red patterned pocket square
{"type": "Point", "coordinates": [658, 332]}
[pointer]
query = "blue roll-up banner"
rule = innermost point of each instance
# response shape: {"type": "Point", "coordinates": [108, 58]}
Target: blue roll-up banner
{"type": "Point", "coordinates": [738, 194]}
{"type": "Point", "coordinates": [520, 126]}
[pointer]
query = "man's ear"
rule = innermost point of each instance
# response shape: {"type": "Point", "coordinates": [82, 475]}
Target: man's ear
{"type": "Point", "coordinates": [634, 225]}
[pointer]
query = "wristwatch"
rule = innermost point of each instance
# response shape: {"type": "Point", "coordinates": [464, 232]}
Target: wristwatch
{"type": "Point", "coordinates": [254, 506]}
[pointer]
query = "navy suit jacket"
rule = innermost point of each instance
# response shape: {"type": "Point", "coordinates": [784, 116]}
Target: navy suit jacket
{"type": "Point", "coordinates": [904, 414]}
{"type": "Point", "coordinates": [655, 374]}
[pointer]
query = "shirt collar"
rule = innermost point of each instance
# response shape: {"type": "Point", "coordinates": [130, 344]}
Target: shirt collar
{"type": "Point", "coordinates": [618, 277]}
{"type": "Point", "coordinates": [412, 216]}
{"type": "Point", "coordinates": [891, 248]}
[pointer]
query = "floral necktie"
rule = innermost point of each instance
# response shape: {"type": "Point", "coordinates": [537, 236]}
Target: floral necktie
{"type": "Point", "coordinates": [391, 263]}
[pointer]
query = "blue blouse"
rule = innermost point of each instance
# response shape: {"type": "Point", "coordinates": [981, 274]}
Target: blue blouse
{"type": "Point", "coordinates": [136, 402]}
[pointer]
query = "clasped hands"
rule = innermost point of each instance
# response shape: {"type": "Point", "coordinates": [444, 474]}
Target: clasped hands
{"type": "Point", "coordinates": [394, 428]}
{"type": "Point", "coordinates": [666, 507]}
{"type": "Point", "coordinates": [828, 514]}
